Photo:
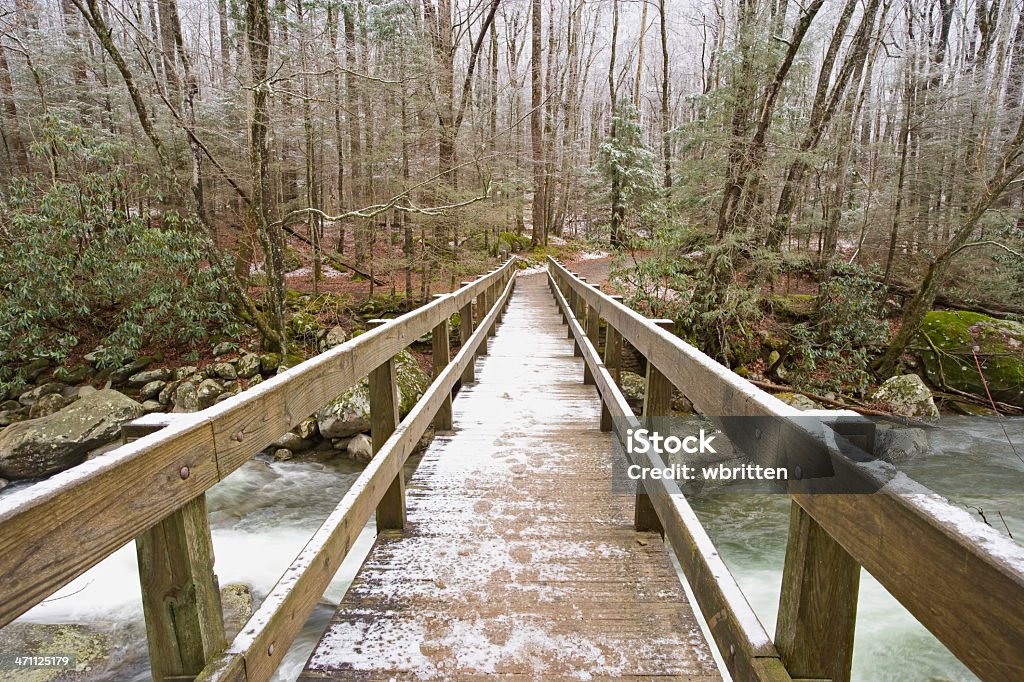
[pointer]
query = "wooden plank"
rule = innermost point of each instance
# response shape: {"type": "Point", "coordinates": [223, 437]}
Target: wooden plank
{"type": "Point", "coordinates": [57, 529]}
{"type": "Point", "coordinates": [818, 606]}
{"type": "Point", "coordinates": [504, 569]}
{"type": "Point", "coordinates": [263, 642]}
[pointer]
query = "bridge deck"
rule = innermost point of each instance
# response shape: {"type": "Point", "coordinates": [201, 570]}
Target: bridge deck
{"type": "Point", "coordinates": [517, 560]}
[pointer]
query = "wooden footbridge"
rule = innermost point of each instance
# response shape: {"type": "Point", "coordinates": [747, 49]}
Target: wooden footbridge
{"type": "Point", "coordinates": [507, 553]}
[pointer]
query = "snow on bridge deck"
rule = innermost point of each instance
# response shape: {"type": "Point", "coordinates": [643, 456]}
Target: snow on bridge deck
{"type": "Point", "coordinates": [517, 560]}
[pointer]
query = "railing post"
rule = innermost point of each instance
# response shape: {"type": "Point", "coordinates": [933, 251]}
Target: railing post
{"type": "Point", "coordinates": [658, 394]}
{"type": "Point", "coordinates": [465, 331]}
{"type": "Point", "coordinates": [817, 618]}
{"type": "Point", "coordinates": [484, 303]}
{"type": "Point", "coordinates": [492, 298]}
{"type": "Point", "coordinates": [383, 421]}
{"type": "Point", "coordinates": [180, 592]}
{"type": "Point", "coordinates": [442, 355]}
{"type": "Point", "coordinates": [818, 605]}
{"type": "Point", "coordinates": [657, 403]}
{"type": "Point", "coordinates": [593, 335]}
{"type": "Point", "coordinates": [612, 361]}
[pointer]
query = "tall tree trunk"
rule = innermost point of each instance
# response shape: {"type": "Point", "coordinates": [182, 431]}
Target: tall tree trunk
{"type": "Point", "coordinates": [257, 26]}
{"type": "Point", "coordinates": [225, 41]}
{"type": "Point", "coordinates": [618, 208]}
{"type": "Point", "coordinates": [14, 141]}
{"type": "Point", "coordinates": [666, 124]}
{"type": "Point", "coordinates": [536, 131]}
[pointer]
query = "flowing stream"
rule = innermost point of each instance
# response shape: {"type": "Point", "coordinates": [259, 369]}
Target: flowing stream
{"type": "Point", "coordinates": [970, 462]}
{"type": "Point", "coordinates": [260, 517]}
{"type": "Point", "coordinates": [264, 513]}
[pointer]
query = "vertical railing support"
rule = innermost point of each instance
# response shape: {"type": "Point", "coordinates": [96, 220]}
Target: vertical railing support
{"type": "Point", "coordinates": [817, 618]}
{"type": "Point", "coordinates": [465, 331]}
{"type": "Point", "coordinates": [383, 421]}
{"type": "Point", "coordinates": [180, 592]}
{"type": "Point", "coordinates": [612, 361]}
{"type": "Point", "coordinates": [657, 403]}
{"type": "Point", "coordinates": [593, 335]}
{"type": "Point", "coordinates": [442, 355]}
{"type": "Point", "coordinates": [818, 605]}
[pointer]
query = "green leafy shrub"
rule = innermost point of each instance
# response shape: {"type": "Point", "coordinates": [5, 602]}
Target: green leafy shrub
{"type": "Point", "coordinates": [843, 334]}
{"type": "Point", "coordinates": [77, 260]}
{"type": "Point", "coordinates": [516, 242]}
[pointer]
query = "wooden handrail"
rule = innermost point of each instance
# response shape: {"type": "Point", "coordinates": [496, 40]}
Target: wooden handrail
{"type": "Point", "coordinates": [959, 577]}
{"type": "Point", "coordinates": [55, 530]}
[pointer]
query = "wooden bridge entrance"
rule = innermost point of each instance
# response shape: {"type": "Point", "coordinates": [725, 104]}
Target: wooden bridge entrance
{"type": "Point", "coordinates": [508, 554]}
{"type": "Point", "coordinates": [516, 558]}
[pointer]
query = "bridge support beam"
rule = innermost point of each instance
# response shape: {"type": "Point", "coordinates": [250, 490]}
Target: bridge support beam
{"type": "Point", "coordinates": [442, 355]}
{"type": "Point", "coordinates": [383, 421]}
{"type": "Point", "coordinates": [465, 331]}
{"type": "Point", "coordinates": [593, 335]}
{"type": "Point", "coordinates": [657, 403]}
{"type": "Point", "coordinates": [180, 592]}
{"type": "Point", "coordinates": [818, 605]}
{"type": "Point", "coordinates": [612, 361]}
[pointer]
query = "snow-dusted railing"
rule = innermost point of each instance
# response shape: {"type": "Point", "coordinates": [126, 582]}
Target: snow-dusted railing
{"type": "Point", "coordinates": [959, 577]}
{"type": "Point", "coordinates": [153, 490]}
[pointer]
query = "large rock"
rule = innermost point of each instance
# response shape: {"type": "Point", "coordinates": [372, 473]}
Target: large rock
{"type": "Point", "coordinates": [90, 648]}
{"type": "Point", "coordinates": [208, 392]}
{"type": "Point", "coordinates": [360, 448]}
{"type": "Point", "coordinates": [897, 444]}
{"type": "Point", "coordinates": [225, 371]}
{"type": "Point", "coordinates": [947, 339]}
{"type": "Point", "coordinates": [237, 604]}
{"type": "Point", "coordinates": [152, 389]}
{"type": "Point", "coordinates": [349, 414]}
{"type": "Point", "coordinates": [633, 388]}
{"type": "Point", "coordinates": [335, 337]}
{"type": "Point", "coordinates": [248, 365]}
{"type": "Point", "coordinates": [186, 399]}
{"type": "Point", "coordinates": [798, 400]}
{"type": "Point", "coordinates": [44, 446]}
{"type": "Point", "coordinates": [143, 378]}
{"type": "Point", "coordinates": [908, 396]}
{"type": "Point", "coordinates": [49, 404]}
{"type": "Point", "coordinates": [31, 396]}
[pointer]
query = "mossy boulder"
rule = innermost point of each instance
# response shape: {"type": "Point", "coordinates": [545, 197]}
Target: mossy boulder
{"type": "Point", "coordinates": [349, 413]}
{"type": "Point", "coordinates": [89, 648]}
{"type": "Point", "coordinates": [47, 445]}
{"type": "Point", "coordinates": [945, 344]}
{"type": "Point", "coordinates": [633, 388]}
{"type": "Point", "coordinates": [292, 259]}
{"type": "Point", "coordinates": [304, 326]}
{"type": "Point", "coordinates": [794, 307]}
{"type": "Point", "coordinates": [907, 395]}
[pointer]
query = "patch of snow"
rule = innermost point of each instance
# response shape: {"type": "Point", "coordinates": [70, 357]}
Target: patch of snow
{"type": "Point", "coordinates": [593, 255]}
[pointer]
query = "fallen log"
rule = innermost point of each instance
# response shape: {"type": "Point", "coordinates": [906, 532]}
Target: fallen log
{"type": "Point", "coordinates": [866, 411]}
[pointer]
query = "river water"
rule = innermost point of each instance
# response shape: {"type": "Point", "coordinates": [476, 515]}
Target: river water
{"type": "Point", "coordinates": [263, 514]}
